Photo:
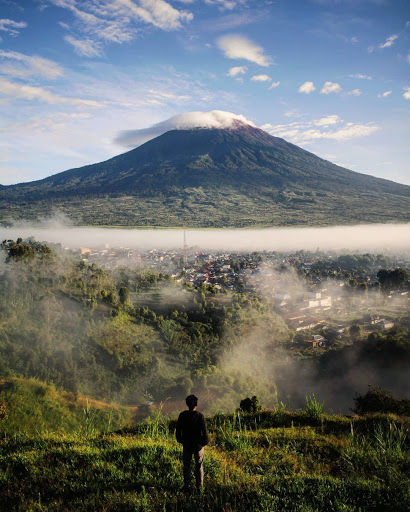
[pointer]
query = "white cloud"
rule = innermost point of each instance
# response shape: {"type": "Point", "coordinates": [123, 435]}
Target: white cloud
{"type": "Point", "coordinates": [293, 113]}
{"type": "Point", "coordinates": [306, 132]}
{"type": "Point", "coordinates": [273, 85]}
{"type": "Point", "coordinates": [239, 47]}
{"type": "Point", "coordinates": [406, 94]}
{"type": "Point", "coordinates": [326, 121]}
{"type": "Point", "coordinates": [389, 41]}
{"type": "Point", "coordinates": [331, 88]}
{"type": "Point", "coordinates": [361, 76]}
{"type": "Point", "coordinates": [85, 47]}
{"type": "Point", "coordinates": [307, 87]}
{"type": "Point", "coordinates": [30, 93]}
{"type": "Point", "coordinates": [370, 49]}
{"type": "Point", "coordinates": [355, 92]}
{"type": "Point", "coordinates": [261, 78]}
{"type": "Point", "coordinates": [238, 70]}
{"type": "Point", "coordinates": [11, 27]}
{"type": "Point", "coordinates": [158, 12]}
{"type": "Point", "coordinates": [187, 121]}
{"type": "Point", "coordinates": [26, 65]}
{"type": "Point", "coordinates": [113, 21]}
{"type": "Point", "coordinates": [384, 94]}
{"type": "Point", "coordinates": [224, 4]}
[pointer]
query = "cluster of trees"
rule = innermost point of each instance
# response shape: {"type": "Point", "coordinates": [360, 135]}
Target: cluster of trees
{"type": "Point", "coordinates": [24, 251]}
{"type": "Point", "coordinates": [392, 278]}
{"type": "Point", "coordinates": [84, 329]}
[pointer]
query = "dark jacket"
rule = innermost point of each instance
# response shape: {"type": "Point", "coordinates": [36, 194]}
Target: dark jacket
{"type": "Point", "coordinates": [191, 430]}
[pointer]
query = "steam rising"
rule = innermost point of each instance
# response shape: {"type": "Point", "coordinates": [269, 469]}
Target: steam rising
{"type": "Point", "coordinates": [189, 120]}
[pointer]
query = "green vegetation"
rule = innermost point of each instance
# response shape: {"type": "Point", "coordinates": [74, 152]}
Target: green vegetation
{"type": "Point", "coordinates": [268, 461]}
{"type": "Point", "coordinates": [94, 344]}
{"type": "Point", "coordinates": [89, 332]}
{"type": "Point", "coordinates": [30, 406]}
{"type": "Point", "coordinates": [379, 400]}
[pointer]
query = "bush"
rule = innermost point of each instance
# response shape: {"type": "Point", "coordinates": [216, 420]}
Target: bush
{"type": "Point", "coordinates": [314, 408]}
{"type": "Point", "coordinates": [379, 400]}
{"type": "Point", "coordinates": [251, 405]}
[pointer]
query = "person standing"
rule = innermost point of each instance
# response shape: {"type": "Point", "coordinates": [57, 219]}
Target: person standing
{"type": "Point", "coordinates": [191, 432]}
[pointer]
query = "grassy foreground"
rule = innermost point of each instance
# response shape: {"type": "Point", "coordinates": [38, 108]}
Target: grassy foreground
{"type": "Point", "coordinates": [270, 461]}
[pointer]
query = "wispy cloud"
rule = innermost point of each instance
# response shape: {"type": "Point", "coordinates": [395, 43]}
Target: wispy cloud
{"type": "Point", "coordinates": [239, 47]}
{"type": "Point", "coordinates": [237, 70]}
{"type": "Point", "coordinates": [361, 76]}
{"type": "Point", "coordinates": [307, 87]}
{"type": "Point", "coordinates": [233, 20]}
{"type": "Point", "coordinates": [384, 94]}
{"type": "Point", "coordinates": [84, 47]}
{"type": "Point", "coordinates": [15, 90]}
{"type": "Point", "coordinates": [273, 85]}
{"type": "Point", "coordinates": [25, 65]}
{"type": "Point", "coordinates": [355, 92]}
{"type": "Point", "coordinates": [406, 94]}
{"type": "Point", "coordinates": [330, 88]}
{"type": "Point", "coordinates": [261, 78]}
{"type": "Point", "coordinates": [323, 128]}
{"type": "Point", "coordinates": [11, 27]}
{"type": "Point", "coordinates": [226, 4]}
{"type": "Point", "coordinates": [326, 121]}
{"type": "Point", "coordinates": [389, 41]}
{"type": "Point", "coordinates": [114, 21]}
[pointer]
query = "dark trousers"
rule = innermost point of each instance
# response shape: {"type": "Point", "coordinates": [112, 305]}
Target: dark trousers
{"type": "Point", "coordinates": [199, 469]}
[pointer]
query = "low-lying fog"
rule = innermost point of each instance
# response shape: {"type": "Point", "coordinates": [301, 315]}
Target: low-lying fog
{"type": "Point", "coordinates": [384, 238]}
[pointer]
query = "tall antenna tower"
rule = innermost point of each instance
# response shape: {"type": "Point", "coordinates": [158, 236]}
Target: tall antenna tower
{"type": "Point", "coordinates": [185, 260]}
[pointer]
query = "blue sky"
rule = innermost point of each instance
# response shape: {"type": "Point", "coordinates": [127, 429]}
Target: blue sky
{"type": "Point", "coordinates": [332, 76]}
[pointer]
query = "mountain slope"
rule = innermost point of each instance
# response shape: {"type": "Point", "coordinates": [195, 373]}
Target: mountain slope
{"type": "Point", "coordinates": [240, 176]}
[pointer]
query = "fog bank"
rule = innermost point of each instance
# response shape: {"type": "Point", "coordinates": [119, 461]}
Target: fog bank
{"type": "Point", "coordinates": [385, 238]}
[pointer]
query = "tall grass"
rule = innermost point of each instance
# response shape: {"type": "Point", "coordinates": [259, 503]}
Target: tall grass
{"type": "Point", "coordinates": [314, 408]}
{"type": "Point", "coordinates": [337, 465]}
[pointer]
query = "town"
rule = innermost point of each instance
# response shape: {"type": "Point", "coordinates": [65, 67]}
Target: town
{"type": "Point", "coordinates": [323, 297]}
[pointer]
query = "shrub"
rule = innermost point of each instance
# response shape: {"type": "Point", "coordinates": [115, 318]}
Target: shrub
{"type": "Point", "coordinates": [380, 400]}
{"type": "Point", "coordinates": [251, 405]}
{"type": "Point", "coordinates": [314, 408]}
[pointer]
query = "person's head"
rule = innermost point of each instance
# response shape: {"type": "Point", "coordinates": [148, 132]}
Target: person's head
{"type": "Point", "coordinates": [191, 401]}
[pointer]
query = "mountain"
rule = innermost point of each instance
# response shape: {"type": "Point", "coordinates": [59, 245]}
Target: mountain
{"type": "Point", "coordinates": [240, 176]}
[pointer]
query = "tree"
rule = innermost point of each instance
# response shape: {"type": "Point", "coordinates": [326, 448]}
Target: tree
{"type": "Point", "coordinates": [124, 295]}
{"type": "Point", "coordinates": [355, 331]}
{"type": "Point", "coordinates": [251, 405]}
{"type": "Point", "coordinates": [392, 278]}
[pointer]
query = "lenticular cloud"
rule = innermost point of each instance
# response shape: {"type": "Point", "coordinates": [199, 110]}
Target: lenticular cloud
{"type": "Point", "coordinates": [187, 121]}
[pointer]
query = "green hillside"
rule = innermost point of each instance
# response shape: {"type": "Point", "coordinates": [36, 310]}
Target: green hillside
{"type": "Point", "coordinates": [211, 178]}
{"type": "Point", "coordinates": [82, 333]}
{"type": "Point", "coordinates": [271, 461]}
{"type": "Point", "coordinates": [32, 406]}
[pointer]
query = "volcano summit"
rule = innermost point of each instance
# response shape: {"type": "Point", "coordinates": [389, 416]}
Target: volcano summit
{"type": "Point", "coordinates": [232, 175]}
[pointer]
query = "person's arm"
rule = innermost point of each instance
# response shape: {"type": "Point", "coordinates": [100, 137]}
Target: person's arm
{"type": "Point", "coordinates": [178, 431]}
{"type": "Point", "coordinates": [204, 432]}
